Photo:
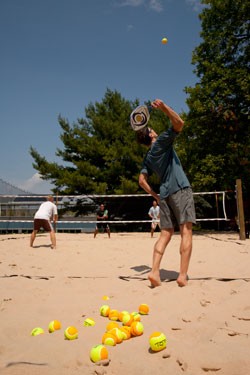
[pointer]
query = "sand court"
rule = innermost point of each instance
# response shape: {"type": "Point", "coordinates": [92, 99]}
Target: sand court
{"type": "Point", "coordinates": [207, 323]}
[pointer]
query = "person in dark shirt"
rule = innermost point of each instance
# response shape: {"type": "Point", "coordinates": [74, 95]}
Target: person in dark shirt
{"type": "Point", "coordinates": [102, 215]}
{"type": "Point", "coordinates": [176, 197]}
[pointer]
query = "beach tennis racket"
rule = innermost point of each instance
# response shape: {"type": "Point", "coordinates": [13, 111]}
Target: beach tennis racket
{"type": "Point", "coordinates": [139, 117]}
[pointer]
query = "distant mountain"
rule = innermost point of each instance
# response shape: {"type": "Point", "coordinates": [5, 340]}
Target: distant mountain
{"type": "Point", "coordinates": [8, 189]}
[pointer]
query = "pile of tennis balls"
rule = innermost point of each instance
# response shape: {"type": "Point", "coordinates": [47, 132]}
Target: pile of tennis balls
{"type": "Point", "coordinates": [122, 326]}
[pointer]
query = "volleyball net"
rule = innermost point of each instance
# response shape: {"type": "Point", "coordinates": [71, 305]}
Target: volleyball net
{"type": "Point", "coordinates": [214, 210]}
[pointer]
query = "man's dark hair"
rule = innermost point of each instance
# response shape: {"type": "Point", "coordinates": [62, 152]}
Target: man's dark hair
{"type": "Point", "coordinates": [143, 137]}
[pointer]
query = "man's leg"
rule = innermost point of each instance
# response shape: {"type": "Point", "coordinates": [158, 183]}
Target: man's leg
{"type": "Point", "coordinates": [159, 249]}
{"type": "Point", "coordinates": [152, 230]}
{"type": "Point", "coordinates": [53, 239]}
{"type": "Point", "coordinates": [32, 237]}
{"type": "Point", "coordinates": [185, 252]}
{"type": "Point", "coordinates": [95, 232]}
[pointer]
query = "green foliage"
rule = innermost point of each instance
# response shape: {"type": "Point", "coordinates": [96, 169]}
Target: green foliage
{"type": "Point", "coordinates": [217, 128]}
{"type": "Point", "coordinates": [100, 154]}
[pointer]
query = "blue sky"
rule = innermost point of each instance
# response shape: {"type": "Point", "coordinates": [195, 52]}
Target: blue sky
{"type": "Point", "coordinates": [58, 56]}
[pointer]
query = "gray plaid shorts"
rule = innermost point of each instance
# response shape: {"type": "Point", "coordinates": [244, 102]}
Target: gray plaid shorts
{"type": "Point", "coordinates": [177, 208]}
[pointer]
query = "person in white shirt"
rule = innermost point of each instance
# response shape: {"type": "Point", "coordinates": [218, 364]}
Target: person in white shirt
{"type": "Point", "coordinates": [46, 213]}
{"type": "Point", "coordinates": [154, 213]}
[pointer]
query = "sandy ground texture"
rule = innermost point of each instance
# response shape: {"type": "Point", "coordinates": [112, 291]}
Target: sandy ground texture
{"type": "Point", "coordinates": [207, 323]}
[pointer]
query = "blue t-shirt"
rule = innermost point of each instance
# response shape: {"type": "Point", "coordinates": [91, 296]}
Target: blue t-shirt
{"type": "Point", "coordinates": [163, 160]}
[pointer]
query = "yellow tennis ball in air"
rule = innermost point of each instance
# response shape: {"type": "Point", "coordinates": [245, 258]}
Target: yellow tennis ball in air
{"type": "Point", "coordinates": [157, 341]}
{"type": "Point", "coordinates": [71, 333]}
{"type": "Point", "coordinates": [109, 339]}
{"type": "Point", "coordinates": [89, 322]}
{"type": "Point", "coordinates": [104, 310]}
{"type": "Point", "coordinates": [164, 40]}
{"type": "Point", "coordinates": [36, 331]}
{"type": "Point", "coordinates": [54, 325]}
{"type": "Point", "coordinates": [137, 329]}
{"type": "Point", "coordinates": [113, 314]}
{"type": "Point", "coordinates": [143, 309]}
{"type": "Point", "coordinates": [98, 353]}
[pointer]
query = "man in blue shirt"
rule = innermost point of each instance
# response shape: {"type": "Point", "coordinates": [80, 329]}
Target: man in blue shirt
{"type": "Point", "coordinates": [176, 197]}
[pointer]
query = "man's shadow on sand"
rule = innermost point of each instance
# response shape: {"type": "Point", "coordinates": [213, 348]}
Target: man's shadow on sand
{"type": "Point", "coordinates": [143, 270]}
{"type": "Point", "coordinates": [170, 275]}
{"type": "Point", "coordinates": [38, 246]}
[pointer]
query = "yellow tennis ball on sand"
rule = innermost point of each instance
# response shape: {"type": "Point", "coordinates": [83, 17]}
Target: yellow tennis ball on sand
{"type": "Point", "coordinates": [54, 326]}
{"type": "Point", "coordinates": [98, 353]}
{"type": "Point", "coordinates": [36, 331]}
{"type": "Point", "coordinates": [71, 333]}
{"type": "Point", "coordinates": [137, 329]}
{"type": "Point", "coordinates": [105, 298]}
{"type": "Point", "coordinates": [164, 40]}
{"type": "Point", "coordinates": [157, 341]}
{"type": "Point", "coordinates": [89, 322]}
{"type": "Point", "coordinates": [109, 339]}
{"type": "Point", "coordinates": [113, 314]}
{"type": "Point", "coordinates": [143, 309]}
{"type": "Point", "coordinates": [104, 310]}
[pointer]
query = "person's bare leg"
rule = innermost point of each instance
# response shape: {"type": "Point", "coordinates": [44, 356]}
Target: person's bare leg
{"type": "Point", "coordinates": [185, 252]}
{"type": "Point", "coordinates": [95, 233]}
{"type": "Point", "coordinates": [53, 239]}
{"type": "Point", "coordinates": [32, 237]}
{"type": "Point", "coordinates": [108, 231]}
{"type": "Point", "coordinates": [159, 249]}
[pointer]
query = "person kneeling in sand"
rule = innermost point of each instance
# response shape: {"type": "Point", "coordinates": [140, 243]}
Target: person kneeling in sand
{"type": "Point", "coordinates": [176, 197]}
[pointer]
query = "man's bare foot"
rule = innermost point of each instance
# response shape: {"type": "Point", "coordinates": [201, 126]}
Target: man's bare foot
{"type": "Point", "coordinates": [155, 281]}
{"type": "Point", "coordinates": [182, 280]}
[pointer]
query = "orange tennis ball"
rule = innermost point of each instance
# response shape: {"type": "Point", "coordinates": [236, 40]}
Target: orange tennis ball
{"type": "Point", "coordinates": [127, 319]}
{"type": "Point", "coordinates": [113, 314]}
{"type": "Point", "coordinates": [143, 309]}
{"type": "Point", "coordinates": [126, 331]}
{"type": "Point", "coordinates": [54, 326]}
{"type": "Point", "coordinates": [112, 325]}
{"type": "Point", "coordinates": [98, 353]}
{"type": "Point", "coordinates": [164, 40]}
{"type": "Point", "coordinates": [109, 339]}
{"type": "Point", "coordinates": [121, 314]}
{"type": "Point", "coordinates": [136, 316]}
{"type": "Point", "coordinates": [71, 333]}
{"type": "Point", "coordinates": [157, 341]}
{"type": "Point", "coordinates": [118, 334]}
{"type": "Point", "coordinates": [104, 310]}
{"type": "Point", "coordinates": [137, 329]}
